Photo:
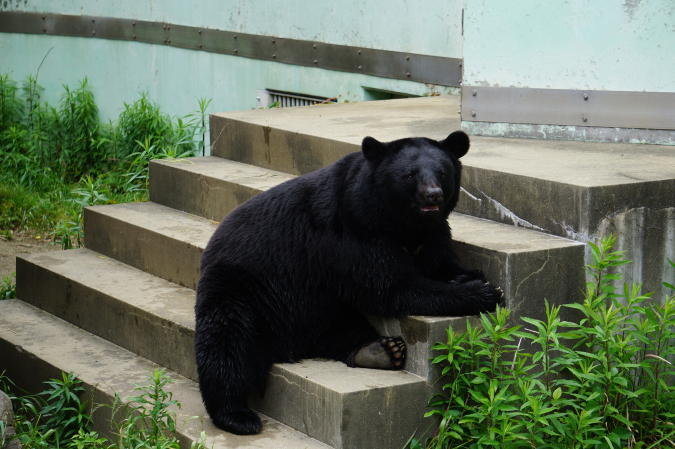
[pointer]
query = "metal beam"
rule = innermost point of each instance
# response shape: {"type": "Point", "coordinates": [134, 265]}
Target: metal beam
{"type": "Point", "coordinates": [594, 108]}
{"type": "Point", "coordinates": [382, 63]}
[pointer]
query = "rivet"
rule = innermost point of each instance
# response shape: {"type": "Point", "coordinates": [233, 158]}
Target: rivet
{"type": "Point", "coordinates": [93, 32]}
{"type": "Point", "coordinates": [164, 27]}
{"type": "Point", "coordinates": [274, 55]}
{"type": "Point", "coordinates": [314, 45]}
{"type": "Point", "coordinates": [134, 36]}
{"type": "Point", "coordinates": [407, 74]}
{"type": "Point", "coordinates": [473, 113]}
{"type": "Point", "coordinates": [43, 17]}
{"type": "Point", "coordinates": [200, 46]}
{"type": "Point", "coordinates": [585, 96]}
{"type": "Point", "coordinates": [274, 41]}
{"type": "Point", "coordinates": [474, 93]}
{"type": "Point", "coordinates": [235, 36]}
{"type": "Point", "coordinates": [44, 30]}
{"type": "Point", "coordinates": [168, 28]}
{"type": "Point", "coordinates": [169, 41]}
{"type": "Point", "coordinates": [133, 23]}
{"type": "Point", "coordinates": [200, 32]}
{"type": "Point", "coordinates": [407, 58]}
{"type": "Point", "coordinates": [236, 51]}
{"type": "Point", "coordinates": [316, 62]}
{"type": "Point", "coordinates": [359, 67]}
{"type": "Point", "coordinates": [584, 118]}
{"type": "Point", "coordinates": [359, 51]}
{"type": "Point", "coordinates": [164, 40]}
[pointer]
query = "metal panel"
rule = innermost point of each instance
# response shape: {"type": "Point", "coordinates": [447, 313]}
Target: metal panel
{"type": "Point", "coordinates": [596, 108]}
{"type": "Point", "coordinates": [383, 63]}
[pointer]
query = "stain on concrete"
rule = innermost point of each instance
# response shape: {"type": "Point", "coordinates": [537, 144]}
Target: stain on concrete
{"type": "Point", "coordinates": [631, 7]}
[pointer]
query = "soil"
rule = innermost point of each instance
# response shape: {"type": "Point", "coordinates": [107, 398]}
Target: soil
{"type": "Point", "coordinates": [21, 243]}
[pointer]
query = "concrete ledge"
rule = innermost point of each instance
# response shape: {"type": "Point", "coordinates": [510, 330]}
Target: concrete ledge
{"type": "Point", "coordinates": [36, 346]}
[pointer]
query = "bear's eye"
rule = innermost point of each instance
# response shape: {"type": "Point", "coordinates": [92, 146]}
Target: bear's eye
{"type": "Point", "coordinates": [409, 177]}
{"type": "Point", "coordinates": [442, 175]}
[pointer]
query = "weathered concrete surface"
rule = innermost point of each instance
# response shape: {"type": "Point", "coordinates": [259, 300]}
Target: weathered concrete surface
{"type": "Point", "coordinates": [208, 186]}
{"type": "Point", "coordinates": [155, 319]}
{"type": "Point", "coordinates": [153, 238]}
{"type": "Point", "coordinates": [36, 346]}
{"type": "Point", "coordinates": [345, 407]}
{"type": "Point", "coordinates": [140, 312]}
{"type": "Point", "coordinates": [301, 140]}
{"type": "Point", "coordinates": [578, 190]}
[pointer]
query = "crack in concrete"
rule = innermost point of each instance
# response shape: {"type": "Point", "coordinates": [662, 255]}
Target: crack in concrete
{"type": "Point", "coordinates": [506, 212]}
{"type": "Point", "coordinates": [515, 294]}
{"type": "Point", "coordinates": [470, 196]}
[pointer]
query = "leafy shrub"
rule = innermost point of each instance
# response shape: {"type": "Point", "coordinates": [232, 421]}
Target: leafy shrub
{"type": "Point", "coordinates": [605, 382]}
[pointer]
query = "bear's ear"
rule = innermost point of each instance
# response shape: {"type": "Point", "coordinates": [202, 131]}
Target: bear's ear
{"type": "Point", "coordinates": [373, 149]}
{"type": "Point", "coordinates": [456, 143]}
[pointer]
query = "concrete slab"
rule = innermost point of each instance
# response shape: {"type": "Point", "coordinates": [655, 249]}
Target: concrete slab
{"type": "Point", "coordinates": [208, 186]}
{"type": "Point", "coordinates": [36, 346]}
{"type": "Point", "coordinates": [155, 319]}
{"type": "Point", "coordinates": [578, 190]}
{"type": "Point", "coordinates": [153, 238]}
{"type": "Point", "coordinates": [145, 314]}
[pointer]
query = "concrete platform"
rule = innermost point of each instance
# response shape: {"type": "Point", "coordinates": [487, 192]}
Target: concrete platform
{"type": "Point", "coordinates": [155, 319]}
{"type": "Point", "coordinates": [36, 346]}
{"type": "Point", "coordinates": [577, 190]}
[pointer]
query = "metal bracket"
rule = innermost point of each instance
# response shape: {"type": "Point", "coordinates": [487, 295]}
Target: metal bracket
{"type": "Point", "coordinates": [596, 108]}
{"type": "Point", "coordinates": [382, 63]}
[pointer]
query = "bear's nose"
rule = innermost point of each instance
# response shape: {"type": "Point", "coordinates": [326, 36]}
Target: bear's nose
{"type": "Point", "coordinates": [434, 194]}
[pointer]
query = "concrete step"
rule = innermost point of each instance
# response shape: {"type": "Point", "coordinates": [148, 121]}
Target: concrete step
{"type": "Point", "coordinates": [528, 265]}
{"type": "Point", "coordinates": [36, 346]}
{"type": "Point", "coordinates": [155, 319]}
{"type": "Point", "coordinates": [577, 190]}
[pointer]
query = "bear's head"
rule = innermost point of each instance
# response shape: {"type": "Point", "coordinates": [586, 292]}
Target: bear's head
{"type": "Point", "coordinates": [418, 178]}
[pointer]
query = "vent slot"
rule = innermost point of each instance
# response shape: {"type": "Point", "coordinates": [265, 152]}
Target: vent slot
{"type": "Point", "coordinates": [287, 99]}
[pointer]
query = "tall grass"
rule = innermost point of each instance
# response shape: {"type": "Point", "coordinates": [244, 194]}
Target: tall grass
{"type": "Point", "coordinates": [51, 154]}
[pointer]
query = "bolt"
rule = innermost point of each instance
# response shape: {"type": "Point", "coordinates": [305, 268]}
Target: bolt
{"type": "Point", "coordinates": [473, 113]}
{"type": "Point", "coordinates": [407, 58]}
{"type": "Point", "coordinates": [407, 74]}
{"type": "Point", "coordinates": [584, 118]}
{"type": "Point", "coordinates": [164, 40]}
{"type": "Point", "coordinates": [168, 28]}
{"type": "Point", "coordinates": [164, 27]}
{"type": "Point", "coordinates": [359, 51]}
{"type": "Point", "coordinates": [474, 93]}
{"type": "Point", "coordinates": [134, 36]}
{"type": "Point", "coordinates": [236, 51]}
{"type": "Point", "coordinates": [200, 46]}
{"type": "Point", "coordinates": [314, 45]}
{"type": "Point", "coordinates": [43, 17]}
{"type": "Point", "coordinates": [274, 56]}
{"type": "Point", "coordinates": [316, 62]}
{"type": "Point", "coordinates": [359, 67]}
{"type": "Point", "coordinates": [200, 31]}
{"type": "Point", "coordinates": [44, 30]}
{"type": "Point", "coordinates": [274, 41]}
{"type": "Point", "coordinates": [93, 32]}
{"type": "Point", "coordinates": [133, 23]}
{"type": "Point", "coordinates": [235, 36]}
{"type": "Point", "coordinates": [169, 41]}
{"type": "Point", "coordinates": [585, 96]}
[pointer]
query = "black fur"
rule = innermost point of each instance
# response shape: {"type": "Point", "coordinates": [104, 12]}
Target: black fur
{"type": "Point", "coordinates": [289, 274]}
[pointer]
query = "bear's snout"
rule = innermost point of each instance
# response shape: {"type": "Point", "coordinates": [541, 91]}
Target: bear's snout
{"type": "Point", "coordinates": [434, 195]}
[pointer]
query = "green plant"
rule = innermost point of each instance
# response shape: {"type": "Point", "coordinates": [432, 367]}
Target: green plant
{"type": "Point", "coordinates": [605, 382]}
{"type": "Point", "coordinates": [8, 288]}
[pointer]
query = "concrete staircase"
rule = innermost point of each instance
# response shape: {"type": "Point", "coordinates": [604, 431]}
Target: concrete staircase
{"type": "Point", "coordinates": [124, 305]}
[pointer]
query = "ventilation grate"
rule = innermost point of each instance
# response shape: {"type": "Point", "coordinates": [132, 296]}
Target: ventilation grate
{"type": "Point", "coordinates": [287, 99]}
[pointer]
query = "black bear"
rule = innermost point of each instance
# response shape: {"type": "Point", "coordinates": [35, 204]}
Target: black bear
{"type": "Point", "coordinates": [290, 273]}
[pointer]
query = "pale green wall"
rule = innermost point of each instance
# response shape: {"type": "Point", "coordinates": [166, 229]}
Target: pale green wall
{"type": "Point", "coordinates": [624, 45]}
{"type": "Point", "coordinates": [118, 70]}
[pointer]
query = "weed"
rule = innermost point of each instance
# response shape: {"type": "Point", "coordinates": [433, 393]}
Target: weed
{"type": "Point", "coordinates": [611, 385]}
{"type": "Point", "coordinates": [8, 288]}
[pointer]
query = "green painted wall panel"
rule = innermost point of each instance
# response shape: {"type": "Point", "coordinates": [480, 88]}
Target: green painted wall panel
{"type": "Point", "coordinates": [431, 28]}
{"type": "Point", "coordinates": [624, 45]}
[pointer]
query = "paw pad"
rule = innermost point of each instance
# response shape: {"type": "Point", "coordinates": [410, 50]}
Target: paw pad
{"type": "Point", "coordinates": [396, 349]}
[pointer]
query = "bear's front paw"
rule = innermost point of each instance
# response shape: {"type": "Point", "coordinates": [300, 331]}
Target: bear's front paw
{"type": "Point", "coordinates": [493, 297]}
{"type": "Point", "coordinates": [385, 353]}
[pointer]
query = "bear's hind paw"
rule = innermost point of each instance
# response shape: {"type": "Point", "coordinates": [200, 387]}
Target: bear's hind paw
{"type": "Point", "coordinates": [385, 353]}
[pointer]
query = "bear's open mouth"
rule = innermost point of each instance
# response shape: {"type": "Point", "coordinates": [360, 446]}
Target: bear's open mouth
{"type": "Point", "coordinates": [429, 209]}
